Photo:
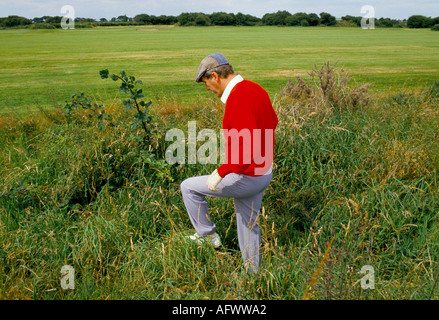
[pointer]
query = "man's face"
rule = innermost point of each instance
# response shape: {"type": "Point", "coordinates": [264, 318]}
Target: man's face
{"type": "Point", "coordinates": [214, 84]}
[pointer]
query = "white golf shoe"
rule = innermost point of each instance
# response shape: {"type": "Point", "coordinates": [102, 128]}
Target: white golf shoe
{"type": "Point", "coordinates": [214, 239]}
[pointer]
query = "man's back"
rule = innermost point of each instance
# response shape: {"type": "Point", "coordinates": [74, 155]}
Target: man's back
{"type": "Point", "coordinates": [248, 107]}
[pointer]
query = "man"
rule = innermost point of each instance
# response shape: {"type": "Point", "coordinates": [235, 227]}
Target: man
{"type": "Point", "coordinates": [248, 125]}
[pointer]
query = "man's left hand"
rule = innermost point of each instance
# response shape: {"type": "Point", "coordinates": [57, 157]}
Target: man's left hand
{"type": "Point", "coordinates": [213, 181]}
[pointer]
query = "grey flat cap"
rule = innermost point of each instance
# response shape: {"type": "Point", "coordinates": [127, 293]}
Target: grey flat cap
{"type": "Point", "coordinates": [210, 62]}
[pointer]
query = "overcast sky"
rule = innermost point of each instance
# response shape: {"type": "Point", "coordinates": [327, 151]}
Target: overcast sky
{"type": "Point", "coordinates": [398, 9]}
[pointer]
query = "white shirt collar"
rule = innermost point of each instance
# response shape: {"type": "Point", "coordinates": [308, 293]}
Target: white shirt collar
{"type": "Point", "coordinates": [237, 79]}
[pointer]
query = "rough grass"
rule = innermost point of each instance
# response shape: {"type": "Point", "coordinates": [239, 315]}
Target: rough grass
{"type": "Point", "coordinates": [353, 185]}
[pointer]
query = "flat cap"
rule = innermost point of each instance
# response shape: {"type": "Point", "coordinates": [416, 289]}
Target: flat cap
{"type": "Point", "coordinates": [210, 62]}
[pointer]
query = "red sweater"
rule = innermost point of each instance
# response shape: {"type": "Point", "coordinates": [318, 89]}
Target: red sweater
{"type": "Point", "coordinates": [248, 107]}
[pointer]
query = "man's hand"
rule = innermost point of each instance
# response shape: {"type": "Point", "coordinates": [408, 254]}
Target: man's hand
{"type": "Point", "coordinates": [213, 181]}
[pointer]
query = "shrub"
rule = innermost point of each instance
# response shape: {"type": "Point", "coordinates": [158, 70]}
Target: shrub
{"type": "Point", "coordinates": [276, 19]}
{"type": "Point", "coordinates": [418, 21]}
{"type": "Point", "coordinates": [435, 27]}
{"type": "Point", "coordinates": [327, 19]}
{"type": "Point", "coordinates": [42, 26]}
{"type": "Point", "coordinates": [14, 21]}
{"type": "Point", "coordinates": [193, 19]}
{"type": "Point", "coordinates": [327, 91]}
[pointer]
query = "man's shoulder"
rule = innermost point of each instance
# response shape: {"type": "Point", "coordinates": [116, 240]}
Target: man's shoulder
{"type": "Point", "coordinates": [248, 84]}
{"type": "Point", "coordinates": [247, 87]}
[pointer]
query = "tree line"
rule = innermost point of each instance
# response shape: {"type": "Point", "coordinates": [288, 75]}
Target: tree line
{"type": "Point", "coordinates": [280, 18]}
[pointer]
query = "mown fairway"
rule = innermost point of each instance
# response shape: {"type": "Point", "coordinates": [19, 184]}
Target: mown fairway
{"type": "Point", "coordinates": [44, 67]}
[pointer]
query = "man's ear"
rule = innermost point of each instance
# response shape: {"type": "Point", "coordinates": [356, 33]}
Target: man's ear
{"type": "Point", "coordinates": [214, 76]}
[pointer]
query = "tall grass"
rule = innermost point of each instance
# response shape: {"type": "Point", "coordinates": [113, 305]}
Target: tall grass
{"type": "Point", "coordinates": [362, 177]}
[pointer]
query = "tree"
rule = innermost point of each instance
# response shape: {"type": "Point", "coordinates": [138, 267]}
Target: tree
{"type": "Point", "coordinates": [142, 18]}
{"type": "Point", "coordinates": [122, 18]}
{"type": "Point", "coordinates": [313, 19]}
{"type": "Point", "coordinates": [193, 19]}
{"type": "Point", "coordinates": [164, 19]}
{"type": "Point", "coordinates": [38, 20]}
{"type": "Point", "coordinates": [246, 19]}
{"type": "Point", "coordinates": [327, 19]}
{"type": "Point", "coordinates": [202, 20]}
{"type": "Point", "coordinates": [276, 19]}
{"type": "Point", "coordinates": [267, 19]}
{"type": "Point", "coordinates": [296, 19]}
{"type": "Point", "coordinates": [55, 19]}
{"type": "Point", "coordinates": [184, 18]}
{"type": "Point", "coordinates": [356, 20]}
{"type": "Point", "coordinates": [384, 22]}
{"type": "Point", "coordinates": [304, 23]}
{"type": "Point", "coordinates": [418, 21]}
{"type": "Point", "coordinates": [222, 19]}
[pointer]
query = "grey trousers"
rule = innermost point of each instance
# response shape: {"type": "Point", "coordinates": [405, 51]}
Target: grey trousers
{"type": "Point", "coordinates": [247, 193]}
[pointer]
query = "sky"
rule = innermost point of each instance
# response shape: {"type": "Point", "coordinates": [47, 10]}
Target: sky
{"type": "Point", "coordinates": [396, 9]}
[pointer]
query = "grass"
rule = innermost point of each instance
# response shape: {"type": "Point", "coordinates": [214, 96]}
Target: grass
{"type": "Point", "coordinates": [42, 68]}
{"type": "Point", "coordinates": [354, 184]}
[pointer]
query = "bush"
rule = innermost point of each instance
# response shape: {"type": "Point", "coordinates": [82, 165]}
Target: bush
{"type": "Point", "coordinates": [418, 21]}
{"type": "Point", "coordinates": [276, 19]}
{"type": "Point", "coordinates": [193, 19]}
{"type": "Point", "coordinates": [14, 21]}
{"type": "Point", "coordinates": [42, 26]}
{"type": "Point", "coordinates": [346, 23]}
{"type": "Point", "coordinates": [331, 93]}
{"type": "Point", "coordinates": [327, 19]}
{"type": "Point", "coordinates": [355, 20]}
{"type": "Point", "coordinates": [222, 19]}
{"type": "Point", "coordinates": [296, 19]}
{"type": "Point", "coordinates": [435, 27]}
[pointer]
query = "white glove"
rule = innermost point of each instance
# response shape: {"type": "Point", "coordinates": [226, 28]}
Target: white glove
{"type": "Point", "coordinates": [213, 181]}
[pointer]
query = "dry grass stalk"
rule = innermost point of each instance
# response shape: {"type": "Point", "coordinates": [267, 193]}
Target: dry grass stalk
{"type": "Point", "coordinates": [327, 91]}
{"type": "Point", "coordinates": [307, 295]}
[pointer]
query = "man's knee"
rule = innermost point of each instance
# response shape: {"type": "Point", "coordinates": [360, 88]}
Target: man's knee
{"type": "Point", "coordinates": [184, 186]}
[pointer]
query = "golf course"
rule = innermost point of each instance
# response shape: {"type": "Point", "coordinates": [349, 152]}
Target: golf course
{"type": "Point", "coordinates": [44, 67]}
{"type": "Point", "coordinates": [84, 181]}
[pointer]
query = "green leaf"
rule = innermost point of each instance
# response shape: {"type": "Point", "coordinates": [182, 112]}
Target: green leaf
{"type": "Point", "coordinates": [104, 74]}
{"type": "Point", "coordinates": [128, 104]}
{"type": "Point", "coordinates": [123, 87]}
{"type": "Point", "coordinates": [140, 116]}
